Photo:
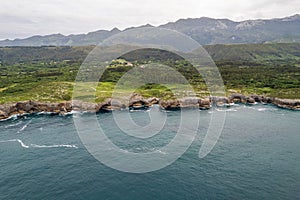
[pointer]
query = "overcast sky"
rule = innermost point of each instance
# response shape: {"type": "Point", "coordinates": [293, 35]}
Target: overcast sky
{"type": "Point", "coordinates": [23, 18]}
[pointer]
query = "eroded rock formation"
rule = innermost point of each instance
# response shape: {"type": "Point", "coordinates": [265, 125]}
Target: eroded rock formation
{"type": "Point", "coordinates": [138, 102]}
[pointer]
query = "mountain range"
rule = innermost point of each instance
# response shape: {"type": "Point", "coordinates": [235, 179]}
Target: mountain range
{"type": "Point", "coordinates": [204, 30]}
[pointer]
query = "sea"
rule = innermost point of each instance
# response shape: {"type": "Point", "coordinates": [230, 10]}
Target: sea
{"type": "Point", "coordinates": [257, 156]}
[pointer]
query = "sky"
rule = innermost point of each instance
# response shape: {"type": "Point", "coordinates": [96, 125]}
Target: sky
{"type": "Point", "coordinates": [24, 18]}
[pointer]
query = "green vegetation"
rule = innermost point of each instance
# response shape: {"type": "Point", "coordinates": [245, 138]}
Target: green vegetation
{"type": "Point", "coordinates": [48, 73]}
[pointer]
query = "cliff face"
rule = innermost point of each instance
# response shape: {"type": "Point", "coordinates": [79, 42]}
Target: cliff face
{"type": "Point", "coordinates": [138, 102]}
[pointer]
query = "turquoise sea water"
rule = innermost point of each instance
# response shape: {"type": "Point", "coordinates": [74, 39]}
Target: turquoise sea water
{"type": "Point", "coordinates": [256, 157]}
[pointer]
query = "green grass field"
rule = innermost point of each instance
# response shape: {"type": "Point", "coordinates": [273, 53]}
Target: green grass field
{"type": "Point", "coordinates": [260, 69]}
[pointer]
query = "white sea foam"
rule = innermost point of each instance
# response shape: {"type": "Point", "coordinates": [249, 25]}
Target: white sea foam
{"type": "Point", "coordinates": [54, 146]}
{"type": "Point", "coordinates": [16, 140]}
{"type": "Point", "coordinates": [16, 116]}
{"type": "Point", "coordinates": [141, 110]}
{"type": "Point", "coordinates": [10, 117]}
{"type": "Point", "coordinates": [147, 149]}
{"type": "Point", "coordinates": [73, 112]}
{"type": "Point", "coordinates": [263, 109]}
{"type": "Point", "coordinates": [267, 109]}
{"type": "Point", "coordinates": [22, 143]}
{"type": "Point", "coordinates": [3, 141]}
{"type": "Point", "coordinates": [40, 146]}
{"type": "Point", "coordinates": [12, 125]}
{"type": "Point", "coordinates": [226, 110]}
{"type": "Point", "coordinates": [161, 152]}
{"type": "Point", "coordinates": [24, 127]}
{"type": "Point", "coordinates": [44, 113]}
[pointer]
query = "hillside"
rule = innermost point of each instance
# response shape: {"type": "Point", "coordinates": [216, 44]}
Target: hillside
{"type": "Point", "coordinates": [12, 55]}
{"type": "Point", "coordinates": [47, 74]}
{"type": "Point", "coordinates": [255, 52]}
{"type": "Point", "coordinates": [236, 52]}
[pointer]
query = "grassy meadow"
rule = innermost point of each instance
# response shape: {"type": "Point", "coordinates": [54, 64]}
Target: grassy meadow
{"type": "Point", "coordinates": [47, 74]}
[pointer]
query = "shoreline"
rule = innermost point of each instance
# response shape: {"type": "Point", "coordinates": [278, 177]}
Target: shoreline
{"type": "Point", "coordinates": [137, 102]}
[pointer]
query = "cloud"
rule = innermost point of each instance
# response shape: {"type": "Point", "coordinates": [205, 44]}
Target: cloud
{"type": "Point", "coordinates": [31, 17]}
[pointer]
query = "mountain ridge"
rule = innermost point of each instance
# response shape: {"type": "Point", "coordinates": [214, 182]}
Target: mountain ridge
{"type": "Point", "coordinates": [204, 30]}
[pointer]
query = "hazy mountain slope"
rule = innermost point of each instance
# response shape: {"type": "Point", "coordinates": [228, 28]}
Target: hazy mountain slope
{"type": "Point", "coordinates": [92, 38]}
{"type": "Point", "coordinates": [224, 31]}
{"type": "Point", "coordinates": [254, 52]}
{"type": "Point", "coordinates": [204, 30]}
{"type": "Point", "coordinates": [233, 52]}
{"type": "Point", "coordinates": [11, 55]}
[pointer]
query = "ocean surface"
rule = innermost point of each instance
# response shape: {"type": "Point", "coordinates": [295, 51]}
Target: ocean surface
{"type": "Point", "coordinates": [256, 157]}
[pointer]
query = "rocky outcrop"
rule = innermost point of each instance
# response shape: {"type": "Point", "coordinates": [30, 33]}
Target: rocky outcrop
{"type": "Point", "coordinates": [28, 107]}
{"type": "Point", "coordinates": [84, 106]}
{"type": "Point", "coordinates": [190, 102]}
{"type": "Point", "coordinates": [256, 98]}
{"type": "Point", "coordinates": [220, 101]}
{"type": "Point", "coordinates": [204, 104]}
{"type": "Point", "coordinates": [238, 98]}
{"type": "Point", "coordinates": [267, 100]}
{"type": "Point", "coordinates": [153, 100]}
{"type": "Point", "coordinates": [170, 104]}
{"type": "Point", "coordinates": [110, 105]}
{"type": "Point", "coordinates": [5, 110]}
{"type": "Point", "coordinates": [287, 103]}
{"type": "Point", "coordinates": [251, 99]}
{"type": "Point", "coordinates": [138, 102]}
